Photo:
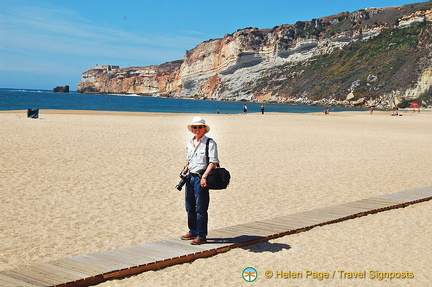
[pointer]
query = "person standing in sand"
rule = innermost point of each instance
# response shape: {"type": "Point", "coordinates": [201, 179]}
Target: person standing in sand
{"type": "Point", "coordinates": [197, 195]}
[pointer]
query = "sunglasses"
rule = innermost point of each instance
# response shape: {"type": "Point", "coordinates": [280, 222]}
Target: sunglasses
{"type": "Point", "coordinates": [197, 127]}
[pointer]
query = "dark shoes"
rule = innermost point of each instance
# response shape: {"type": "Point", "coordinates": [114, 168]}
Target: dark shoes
{"type": "Point", "coordinates": [198, 241]}
{"type": "Point", "coordinates": [195, 240]}
{"type": "Point", "coordinates": [188, 236]}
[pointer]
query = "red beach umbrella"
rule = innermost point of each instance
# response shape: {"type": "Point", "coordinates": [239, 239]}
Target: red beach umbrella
{"type": "Point", "coordinates": [414, 105]}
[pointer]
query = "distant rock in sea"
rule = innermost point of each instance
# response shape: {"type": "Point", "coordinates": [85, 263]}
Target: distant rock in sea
{"type": "Point", "coordinates": [61, 89]}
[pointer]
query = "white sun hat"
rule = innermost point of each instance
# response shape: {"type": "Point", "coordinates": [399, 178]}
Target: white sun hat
{"type": "Point", "coordinates": [198, 121]}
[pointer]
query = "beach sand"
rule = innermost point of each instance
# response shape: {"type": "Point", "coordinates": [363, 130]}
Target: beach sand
{"type": "Point", "coordinates": [75, 183]}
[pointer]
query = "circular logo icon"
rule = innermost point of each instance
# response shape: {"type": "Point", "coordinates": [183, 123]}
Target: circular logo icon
{"type": "Point", "coordinates": [249, 274]}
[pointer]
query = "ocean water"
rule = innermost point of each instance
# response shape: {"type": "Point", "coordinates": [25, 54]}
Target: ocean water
{"type": "Point", "coordinates": [16, 99]}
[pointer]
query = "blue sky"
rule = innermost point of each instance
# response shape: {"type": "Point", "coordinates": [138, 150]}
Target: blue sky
{"type": "Point", "coordinates": [46, 43]}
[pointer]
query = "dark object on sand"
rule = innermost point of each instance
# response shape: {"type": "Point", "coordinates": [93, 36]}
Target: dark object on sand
{"type": "Point", "coordinates": [32, 113]}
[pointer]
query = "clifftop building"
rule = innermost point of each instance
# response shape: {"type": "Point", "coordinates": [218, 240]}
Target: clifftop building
{"type": "Point", "coordinates": [106, 67]}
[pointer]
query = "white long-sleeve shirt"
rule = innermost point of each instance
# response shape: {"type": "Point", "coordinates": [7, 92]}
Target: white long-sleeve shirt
{"type": "Point", "coordinates": [197, 156]}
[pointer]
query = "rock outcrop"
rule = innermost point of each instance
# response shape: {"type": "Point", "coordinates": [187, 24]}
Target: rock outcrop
{"type": "Point", "coordinates": [151, 80]}
{"type": "Point", "coordinates": [61, 89]}
{"type": "Point", "coordinates": [237, 66]}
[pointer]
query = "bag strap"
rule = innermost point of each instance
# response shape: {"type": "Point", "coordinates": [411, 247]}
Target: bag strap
{"type": "Point", "coordinates": [207, 151]}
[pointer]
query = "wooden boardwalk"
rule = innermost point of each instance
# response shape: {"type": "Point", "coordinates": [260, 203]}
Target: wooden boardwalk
{"type": "Point", "coordinates": [94, 268]}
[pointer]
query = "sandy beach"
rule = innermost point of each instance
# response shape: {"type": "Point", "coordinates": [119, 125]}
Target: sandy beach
{"type": "Point", "coordinates": [75, 183]}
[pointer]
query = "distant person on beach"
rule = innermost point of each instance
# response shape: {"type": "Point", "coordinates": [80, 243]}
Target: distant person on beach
{"type": "Point", "coordinates": [262, 109]}
{"type": "Point", "coordinates": [371, 110]}
{"type": "Point", "coordinates": [197, 168]}
{"type": "Point", "coordinates": [244, 109]}
{"type": "Point", "coordinates": [326, 111]}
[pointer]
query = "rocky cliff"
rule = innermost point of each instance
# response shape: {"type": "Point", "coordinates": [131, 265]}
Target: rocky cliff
{"type": "Point", "coordinates": [308, 62]}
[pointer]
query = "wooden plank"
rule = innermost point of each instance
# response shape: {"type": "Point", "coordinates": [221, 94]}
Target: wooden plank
{"type": "Point", "coordinates": [247, 230]}
{"type": "Point", "coordinates": [364, 206]}
{"type": "Point", "coordinates": [119, 256]}
{"type": "Point", "coordinates": [153, 249]}
{"type": "Point", "coordinates": [273, 228]}
{"type": "Point", "coordinates": [391, 197]}
{"type": "Point", "coordinates": [290, 223]}
{"type": "Point", "coordinates": [425, 191]}
{"type": "Point", "coordinates": [304, 218]}
{"type": "Point", "coordinates": [164, 251]}
{"type": "Point", "coordinates": [88, 270]}
{"type": "Point", "coordinates": [317, 218]}
{"type": "Point", "coordinates": [6, 281]}
{"type": "Point", "coordinates": [257, 227]}
{"type": "Point", "coordinates": [367, 204]}
{"type": "Point", "coordinates": [91, 261]}
{"type": "Point", "coordinates": [230, 233]}
{"type": "Point", "coordinates": [186, 244]}
{"type": "Point", "coordinates": [235, 236]}
{"type": "Point", "coordinates": [387, 200]}
{"type": "Point", "coordinates": [140, 256]}
{"type": "Point", "coordinates": [284, 222]}
{"type": "Point", "coordinates": [278, 228]}
{"type": "Point", "coordinates": [222, 236]}
{"type": "Point", "coordinates": [216, 234]}
{"type": "Point", "coordinates": [50, 269]}
{"type": "Point", "coordinates": [353, 209]}
{"type": "Point", "coordinates": [26, 278]}
{"type": "Point", "coordinates": [406, 197]}
{"type": "Point", "coordinates": [40, 275]}
{"type": "Point", "coordinates": [103, 257]}
{"type": "Point", "coordinates": [170, 251]}
{"type": "Point", "coordinates": [133, 257]}
{"type": "Point", "coordinates": [414, 196]}
{"type": "Point", "coordinates": [287, 221]}
{"type": "Point", "coordinates": [73, 275]}
{"type": "Point", "coordinates": [377, 203]}
{"type": "Point", "coordinates": [271, 222]}
{"type": "Point", "coordinates": [253, 230]}
{"type": "Point", "coordinates": [146, 251]}
{"type": "Point", "coordinates": [186, 247]}
{"type": "Point", "coordinates": [337, 212]}
{"type": "Point", "coordinates": [303, 221]}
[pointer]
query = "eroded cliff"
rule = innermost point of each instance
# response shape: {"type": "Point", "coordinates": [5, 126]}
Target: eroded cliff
{"type": "Point", "coordinates": [275, 64]}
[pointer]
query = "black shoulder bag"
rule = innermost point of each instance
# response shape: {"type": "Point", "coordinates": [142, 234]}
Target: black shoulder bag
{"type": "Point", "coordinates": [219, 177]}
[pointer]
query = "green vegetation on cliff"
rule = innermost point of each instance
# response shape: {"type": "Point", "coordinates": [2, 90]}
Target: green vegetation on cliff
{"type": "Point", "coordinates": [392, 60]}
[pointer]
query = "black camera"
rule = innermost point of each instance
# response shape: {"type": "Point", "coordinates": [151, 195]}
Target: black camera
{"type": "Point", "coordinates": [182, 182]}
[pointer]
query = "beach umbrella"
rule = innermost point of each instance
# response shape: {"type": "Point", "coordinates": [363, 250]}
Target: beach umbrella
{"type": "Point", "coordinates": [414, 105]}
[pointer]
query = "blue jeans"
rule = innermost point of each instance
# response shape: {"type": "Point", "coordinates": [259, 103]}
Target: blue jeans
{"type": "Point", "coordinates": [197, 203]}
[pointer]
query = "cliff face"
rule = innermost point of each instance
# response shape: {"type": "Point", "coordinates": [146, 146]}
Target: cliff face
{"type": "Point", "coordinates": [162, 79]}
{"type": "Point", "coordinates": [245, 65]}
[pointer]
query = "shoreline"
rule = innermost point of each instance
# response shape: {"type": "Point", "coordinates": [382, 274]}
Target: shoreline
{"type": "Point", "coordinates": [97, 112]}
